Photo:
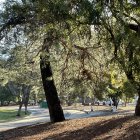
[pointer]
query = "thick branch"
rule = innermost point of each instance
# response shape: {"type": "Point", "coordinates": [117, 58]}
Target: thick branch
{"type": "Point", "coordinates": [135, 27]}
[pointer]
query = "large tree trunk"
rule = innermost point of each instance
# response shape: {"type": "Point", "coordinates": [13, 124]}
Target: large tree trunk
{"type": "Point", "coordinates": [55, 109]}
{"type": "Point", "coordinates": [137, 109]}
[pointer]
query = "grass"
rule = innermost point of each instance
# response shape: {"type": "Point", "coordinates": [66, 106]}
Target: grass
{"type": "Point", "coordinates": [10, 114]}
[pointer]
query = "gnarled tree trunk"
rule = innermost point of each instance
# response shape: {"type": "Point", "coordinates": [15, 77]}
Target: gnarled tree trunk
{"type": "Point", "coordinates": [55, 109]}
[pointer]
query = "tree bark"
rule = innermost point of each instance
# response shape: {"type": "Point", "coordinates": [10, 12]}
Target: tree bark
{"type": "Point", "coordinates": [137, 109]}
{"type": "Point", "coordinates": [26, 93]}
{"type": "Point", "coordinates": [115, 101]}
{"type": "Point", "coordinates": [125, 101]}
{"type": "Point", "coordinates": [135, 27]}
{"type": "Point", "coordinates": [55, 109]}
{"type": "Point", "coordinates": [25, 98]}
{"type": "Point", "coordinates": [19, 109]}
{"type": "Point", "coordinates": [131, 79]}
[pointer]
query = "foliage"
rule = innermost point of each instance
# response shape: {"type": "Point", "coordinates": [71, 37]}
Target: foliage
{"type": "Point", "coordinates": [77, 54]}
{"type": "Point", "coordinates": [5, 95]}
{"type": "Point", "coordinates": [129, 91]}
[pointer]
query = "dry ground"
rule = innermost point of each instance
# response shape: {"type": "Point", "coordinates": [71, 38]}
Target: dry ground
{"type": "Point", "coordinates": [99, 108]}
{"type": "Point", "coordinates": [95, 128]}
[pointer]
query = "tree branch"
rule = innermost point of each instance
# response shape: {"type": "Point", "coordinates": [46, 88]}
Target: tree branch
{"type": "Point", "coordinates": [134, 27]}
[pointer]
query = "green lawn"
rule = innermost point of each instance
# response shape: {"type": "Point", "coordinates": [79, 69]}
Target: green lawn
{"type": "Point", "coordinates": [9, 115]}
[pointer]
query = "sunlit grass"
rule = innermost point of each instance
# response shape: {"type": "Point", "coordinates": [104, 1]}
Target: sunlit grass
{"type": "Point", "coordinates": [128, 107]}
{"type": "Point", "coordinates": [10, 114]}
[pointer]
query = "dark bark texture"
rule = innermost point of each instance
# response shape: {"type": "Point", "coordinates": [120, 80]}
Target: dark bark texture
{"type": "Point", "coordinates": [55, 109]}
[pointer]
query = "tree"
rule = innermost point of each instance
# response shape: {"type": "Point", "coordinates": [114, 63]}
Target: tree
{"type": "Point", "coordinates": [5, 95]}
{"type": "Point", "coordinates": [55, 110]}
{"type": "Point", "coordinates": [121, 32]}
{"type": "Point", "coordinates": [21, 81]}
{"type": "Point", "coordinates": [115, 94]}
{"type": "Point", "coordinates": [60, 18]}
{"type": "Point", "coordinates": [129, 91]}
{"type": "Point", "coordinates": [110, 19]}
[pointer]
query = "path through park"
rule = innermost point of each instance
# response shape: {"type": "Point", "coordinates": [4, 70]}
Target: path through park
{"type": "Point", "coordinates": [40, 115]}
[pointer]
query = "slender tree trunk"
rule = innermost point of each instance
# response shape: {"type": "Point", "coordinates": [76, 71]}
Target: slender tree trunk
{"type": "Point", "coordinates": [125, 101]}
{"type": "Point", "coordinates": [19, 110]}
{"type": "Point", "coordinates": [55, 109]}
{"type": "Point", "coordinates": [83, 101]}
{"type": "Point", "coordinates": [2, 103]}
{"type": "Point", "coordinates": [25, 98]}
{"type": "Point", "coordinates": [137, 109]}
{"type": "Point", "coordinates": [26, 92]}
{"type": "Point", "coordinates": [26, 111]}
{"type": "Point", "coordinates": [8, 102]}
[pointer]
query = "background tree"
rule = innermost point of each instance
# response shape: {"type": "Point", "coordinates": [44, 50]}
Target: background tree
{"type": "Point", "coordinates": [120, 30]}
{"type": "Point", "coordinates": [6, 96]}
{"type": "Point", "coordinates": [110, 20]}
{"type": "Point", "coordinates": [129, 91]}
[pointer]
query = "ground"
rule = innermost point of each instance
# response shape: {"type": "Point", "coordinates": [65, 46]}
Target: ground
{"type": "Point", "coordinates": [94, 128]}
{"type": "Point", "coordinates": [39, 115]}
{"type": "Point", "coordinates": [101, 124]}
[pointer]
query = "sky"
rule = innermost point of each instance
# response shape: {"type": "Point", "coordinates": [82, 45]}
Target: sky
{"type": "Point", "coordinates": [1, 2]}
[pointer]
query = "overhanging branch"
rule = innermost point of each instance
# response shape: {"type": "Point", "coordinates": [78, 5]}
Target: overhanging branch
{"type": "Point", "coordinates": [134, 27]}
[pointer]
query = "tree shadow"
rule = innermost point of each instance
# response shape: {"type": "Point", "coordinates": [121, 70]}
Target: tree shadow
{"type": "Point", "coordinates": [30, 130]}
{"type": "Point", "coordinates": [93, 131]}
{"type": "Point", "coordinates": [132, 132]}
